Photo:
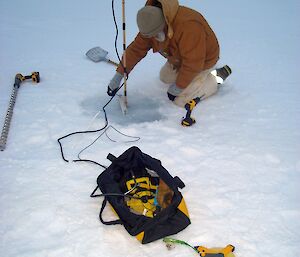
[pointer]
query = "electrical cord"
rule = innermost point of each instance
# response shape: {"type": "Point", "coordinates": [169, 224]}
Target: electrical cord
{"type": "Point", "coordinates": [127, 194]}
{"type": "Point", "coordinates": [116, 39]}
{"type": "Point", "coordinates": [105, 132]}
{"type": "Point", "coordinates": [105, 127]}
{"type": "Point", "coordinates": [84, 132]}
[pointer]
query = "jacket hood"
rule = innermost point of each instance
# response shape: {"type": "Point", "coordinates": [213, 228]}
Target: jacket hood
{"type": "Point", "coordinates": [170, 8]}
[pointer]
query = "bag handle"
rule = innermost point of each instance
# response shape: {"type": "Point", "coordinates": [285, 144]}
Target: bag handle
{"type": "Point", "coordinates": [93, 193]}
{"type": "Point", "coordinates": [112, 222]}
{"type": "Point", "coordinates": [179, 182]}
{"type": "Point", "coordinates": [111, 157]}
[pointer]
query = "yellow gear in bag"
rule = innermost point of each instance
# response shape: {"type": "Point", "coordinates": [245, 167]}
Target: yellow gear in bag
{"type": "Point", "coordinates": [144, 194]}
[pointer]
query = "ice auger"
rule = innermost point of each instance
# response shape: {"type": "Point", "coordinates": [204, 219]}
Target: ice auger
{"type": "Point", "coordinates": [19, 78]}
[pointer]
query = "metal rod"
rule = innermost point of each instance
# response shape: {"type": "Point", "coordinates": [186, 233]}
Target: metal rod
{"type": "Point", "coordinates": [35, 76]}
{"type": "Point", "coordinates": [8, 117]}
{"type": "Point", "coordinates": [124, 52]}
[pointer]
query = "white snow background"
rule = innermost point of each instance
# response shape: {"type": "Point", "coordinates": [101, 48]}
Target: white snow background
{"type": "Point", "coordinates": [240, 161]}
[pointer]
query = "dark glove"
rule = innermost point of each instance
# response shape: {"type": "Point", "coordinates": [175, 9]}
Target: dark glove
{"type": "Point", "coordinates": [171, 97]}
{"type": "Point", "coordinates": [173, 92]}
{"type": "Point", "coordinates": [114, 84]}
{"type": "Point", "coordinates": [111, 92]}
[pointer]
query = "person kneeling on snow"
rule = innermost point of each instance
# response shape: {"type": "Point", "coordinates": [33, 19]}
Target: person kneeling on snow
{"type": "Point", "coordinates": [184, 37]}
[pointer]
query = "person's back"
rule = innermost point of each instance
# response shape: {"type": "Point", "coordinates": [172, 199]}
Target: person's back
{"type": "Point", "coordinates": [186, 16]}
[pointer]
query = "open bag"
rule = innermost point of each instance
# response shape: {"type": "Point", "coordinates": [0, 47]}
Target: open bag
{"type": "Point", "coordinates": [144, 196]}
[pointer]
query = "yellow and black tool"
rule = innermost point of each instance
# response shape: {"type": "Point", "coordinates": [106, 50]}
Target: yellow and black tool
{"type": "Point", "coordinates": [203, 251]}
{"type": "Point", "coordinates": [144, 194]}
{"type": "Point", "coordinates": [188, 120]}
{"type": "Point", "coordinates": [35, 77]}
{"type": "Point", "coordinates": [215, 252]}
{"type": "Point", "coordinates": [19, 78]}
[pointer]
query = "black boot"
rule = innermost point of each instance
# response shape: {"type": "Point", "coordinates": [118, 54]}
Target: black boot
{"type": "Point", "coordinates": [223, 72]}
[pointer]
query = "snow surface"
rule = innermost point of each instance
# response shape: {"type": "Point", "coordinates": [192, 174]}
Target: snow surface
{"type": "Point", "coordinates": [240, 161]}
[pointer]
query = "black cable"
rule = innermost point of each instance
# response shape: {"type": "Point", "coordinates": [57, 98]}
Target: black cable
{"type": "Point", "coordinates": [103, 108]}
{"type": "Point", "coordinates": [85, 131]}
{"type": "Point", "coordinates": [86, 160]}
{"type": "Point", "coordinates": [116, 39]}
{"type": "Point", "coordinates": [126, 194]}
{"type": "Point", "coordinates": [135, 138]}
{"type": "Point", "coordinates": [117, 30]}
{"type": "Point", "coordinates": [105, 132]}
{"type": "Point", "coordinates": [81, 151]}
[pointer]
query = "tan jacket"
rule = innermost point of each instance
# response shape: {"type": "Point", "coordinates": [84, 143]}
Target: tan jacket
{"type": "Point", "coordinates": [191, 45]}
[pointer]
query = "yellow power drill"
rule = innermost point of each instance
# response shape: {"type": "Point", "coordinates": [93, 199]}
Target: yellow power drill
{"type": "Point", "coordinates": [188, 120]}
{"type": "Point", "coordinates": [35, 77]}
{"type": "Point", "coordinates": [201, 250]}
{"type": "Point", "coordinates": [215, 252]}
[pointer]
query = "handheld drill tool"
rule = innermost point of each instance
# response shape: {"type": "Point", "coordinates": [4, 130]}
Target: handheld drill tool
{"type": "Point", "coordinates": [215, 252]}
{"type": "Point", "coordinates": [203, 251]}
{"type": "Point", "coordinates": [188, 120]}
{"type": "Point", "coordinates": [19, 78]}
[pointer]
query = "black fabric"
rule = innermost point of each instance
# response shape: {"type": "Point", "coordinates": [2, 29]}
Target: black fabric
{"type": "Point", "coordinates": [113, 180]}
{"type": "Point", "coordinates": [111, 92]}
{"type": "Point", "coordinates": [171, 97]}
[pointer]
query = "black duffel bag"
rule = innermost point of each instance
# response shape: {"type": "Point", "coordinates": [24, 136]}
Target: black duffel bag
{"type": "Point", "coordinates": [144, 196]}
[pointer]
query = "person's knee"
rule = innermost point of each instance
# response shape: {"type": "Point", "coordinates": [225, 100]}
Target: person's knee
{"type": "Point", "coordinates": [163, 76]}
{"type": "Point", "coordinates": [203, 86]}
{"type": "Point", "coordinates": [211, 85]}
{"type": "Point", "coordinates": [167, 74]}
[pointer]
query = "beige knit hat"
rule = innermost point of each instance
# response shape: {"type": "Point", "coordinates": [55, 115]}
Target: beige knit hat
{"type": "Point", "coordinates": [150, 20]}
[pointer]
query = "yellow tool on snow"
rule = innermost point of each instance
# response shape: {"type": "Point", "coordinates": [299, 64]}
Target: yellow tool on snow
{"type": "Point", "coordinates": [203, 251]}
{"type": "Point", "coordinates": [216, 252]}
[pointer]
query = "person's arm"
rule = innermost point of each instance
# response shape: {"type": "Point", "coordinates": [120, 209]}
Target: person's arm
{"type": "Point", "coordinates": [135, 52]}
